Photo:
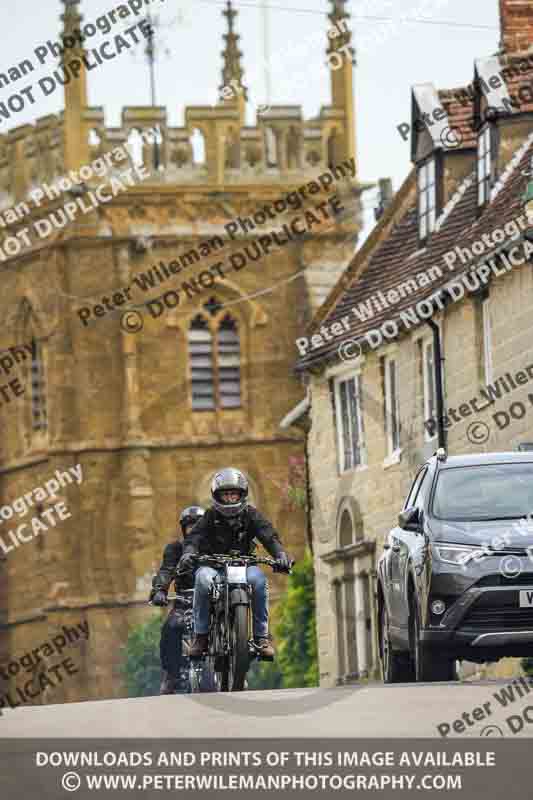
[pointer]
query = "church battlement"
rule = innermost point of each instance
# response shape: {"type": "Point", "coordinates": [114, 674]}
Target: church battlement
{"type": "Point", "coordinates": [282, 146]}
{"type": "Point", "coordinates": [213, 147]}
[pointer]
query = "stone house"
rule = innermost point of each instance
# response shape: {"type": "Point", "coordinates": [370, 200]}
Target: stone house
{"type": "Point", "coordinates": [451, 251]}
{"type": "Point", "coordinates": [198, 371]}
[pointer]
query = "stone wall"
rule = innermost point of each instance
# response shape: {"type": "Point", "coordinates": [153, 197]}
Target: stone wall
{"type": "Point", "coordinates": [380, 488]}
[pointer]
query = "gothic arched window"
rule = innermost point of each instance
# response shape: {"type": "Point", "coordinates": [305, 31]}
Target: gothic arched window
{"type": "Point", "coordinates": [31, 357]}
{"type": "Point", "coordinates": [201, 358]}
{"type": "Point", "coordinates": [215, 359]}
{"type": "Point", "coordinates": [39, 415]}
{"type": "Point", "coordinates": [229, 363]}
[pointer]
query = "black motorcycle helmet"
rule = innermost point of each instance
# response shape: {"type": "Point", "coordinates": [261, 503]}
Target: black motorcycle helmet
{"type": "Point", "coordinates": [190, 516]}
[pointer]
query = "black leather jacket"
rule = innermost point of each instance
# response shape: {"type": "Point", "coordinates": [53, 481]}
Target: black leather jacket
{"type": "Point", "coordinates": [167, 571]}
{"type": "Point", "coordinates": [214, 533]}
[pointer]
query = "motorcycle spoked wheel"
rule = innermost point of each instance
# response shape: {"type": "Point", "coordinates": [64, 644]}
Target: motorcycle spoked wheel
{"type": "Point", "coordinates": [220, 666]}
{"type": "Point", "coordinates": [239, 657]}
{"type": "Point", "coordinates": [206, 678]}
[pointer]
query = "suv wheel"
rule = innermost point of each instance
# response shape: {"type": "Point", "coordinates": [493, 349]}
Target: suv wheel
{"type": "Point", "coordinates": [429, 665]}
{"type": "Point", "coordinates": [395, 667]}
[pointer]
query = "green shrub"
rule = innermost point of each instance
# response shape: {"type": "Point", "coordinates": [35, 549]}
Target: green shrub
{"type": "Point", "coordinates": [296, 663]}
{"type": "Point", "coordinates": [296, 630]}
{"type": "Point", "coordinates": [141, 668]}
{"type": "Point", "coordinates": [264, 675]}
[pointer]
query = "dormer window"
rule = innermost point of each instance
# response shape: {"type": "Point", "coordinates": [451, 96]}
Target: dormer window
{"type": "Point", "coordinates": [484, 166]}
{"type": "Point", "coordinates": [427, 198]}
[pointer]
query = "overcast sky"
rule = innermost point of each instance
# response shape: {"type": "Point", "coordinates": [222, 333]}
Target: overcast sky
{"type": "Point", "coordinates": [391, 57]}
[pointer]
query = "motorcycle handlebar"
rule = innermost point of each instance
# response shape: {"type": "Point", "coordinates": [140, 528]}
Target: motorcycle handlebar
{"type": "Point", "coordinates": [182, 596]}
{"type": "Point", "coordinates": [221, 559]}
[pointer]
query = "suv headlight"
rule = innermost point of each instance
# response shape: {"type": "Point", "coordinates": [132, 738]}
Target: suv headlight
{"type": "Point", "coordinates": [459, 553]}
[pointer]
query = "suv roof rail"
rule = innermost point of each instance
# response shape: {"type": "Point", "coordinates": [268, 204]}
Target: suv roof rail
{"type": "Point", "coordinates": [525, 447]}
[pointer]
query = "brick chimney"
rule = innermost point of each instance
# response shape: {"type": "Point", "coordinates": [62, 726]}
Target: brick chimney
{"type": "Point", "coordinates": [516, 26]}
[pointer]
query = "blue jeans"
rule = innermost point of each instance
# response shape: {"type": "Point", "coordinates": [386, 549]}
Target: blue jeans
{"type": "Point", "coordinates": [257, 579]}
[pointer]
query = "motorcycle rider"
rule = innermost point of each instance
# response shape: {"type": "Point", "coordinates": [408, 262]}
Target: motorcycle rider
{"type": "Point", "coordinates": [231, 524]}
{"type": "Point", "coordinates": [173, 628]}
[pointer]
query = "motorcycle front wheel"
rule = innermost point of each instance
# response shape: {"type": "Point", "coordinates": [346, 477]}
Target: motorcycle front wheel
{"type": "Point", "coordinates": [239, 657]}
{"type": "Point", "coordinates": [220, 661]}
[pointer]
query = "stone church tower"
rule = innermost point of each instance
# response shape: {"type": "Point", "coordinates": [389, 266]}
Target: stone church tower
{"type": "Point", "coordinates": [149, 415]}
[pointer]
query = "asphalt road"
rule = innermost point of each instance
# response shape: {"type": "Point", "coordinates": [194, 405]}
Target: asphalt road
{"type": "Point", "coordinates": [372, 710]}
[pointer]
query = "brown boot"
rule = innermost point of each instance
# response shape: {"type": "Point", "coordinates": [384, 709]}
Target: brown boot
{"type": "Point", "coordinates": [199, 645]}
{"type": "Point", "coordinates": [264, 644]}
{"type": "Point", "coordinates": [168, 684]}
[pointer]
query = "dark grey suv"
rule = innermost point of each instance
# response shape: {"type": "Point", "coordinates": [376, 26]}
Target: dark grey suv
{"type": "Point", "coordinates": [455, 579]}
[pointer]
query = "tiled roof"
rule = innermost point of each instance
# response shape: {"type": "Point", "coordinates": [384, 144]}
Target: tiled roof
{"type": "Point", "coordinates": [396, 258]}
{"type": "Point", "coordinates": [386, 260]}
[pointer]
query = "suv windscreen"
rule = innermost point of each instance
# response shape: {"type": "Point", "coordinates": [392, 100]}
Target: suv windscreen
{"type": "Point", "coordinates": [493, 491]}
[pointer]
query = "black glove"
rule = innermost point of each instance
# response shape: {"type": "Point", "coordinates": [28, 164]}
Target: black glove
{"type": "Point", "coordinates": [186, 563]}
{"type": "Point", "coordinates": [284, 561]}
{"type": "Point", "coordinates": [160, 598]}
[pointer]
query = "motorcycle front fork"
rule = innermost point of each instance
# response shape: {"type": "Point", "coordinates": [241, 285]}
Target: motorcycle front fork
{"type": "Point", "coordinates": [215, 604]}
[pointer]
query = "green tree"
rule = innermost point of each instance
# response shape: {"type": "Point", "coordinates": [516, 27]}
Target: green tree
{"type": "Point", "coordinates": [264, 675]}
{"type": "Point", "coordinates": [296, 663]}
{"type": "Point", "coordinates": [296, 630]}
{"type": "Point", "coordinates": [141, 668]}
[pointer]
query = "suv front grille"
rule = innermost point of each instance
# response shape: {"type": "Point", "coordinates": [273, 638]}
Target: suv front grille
{"type": "Point", "coordinates": [502, 618]}
{"type": "Point", "coordinates": [525, 579]}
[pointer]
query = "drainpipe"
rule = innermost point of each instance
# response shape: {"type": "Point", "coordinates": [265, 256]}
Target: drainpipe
{"type": "Point", "coordinates": [438, 383]}
{"type": "Point", "coordinates": [309, 496]}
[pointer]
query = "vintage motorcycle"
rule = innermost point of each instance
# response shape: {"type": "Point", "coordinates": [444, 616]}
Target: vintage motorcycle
{"type": "Point", "coordinates": [193, 676]}
{"type": "Point", "coordinates": [231, 647]}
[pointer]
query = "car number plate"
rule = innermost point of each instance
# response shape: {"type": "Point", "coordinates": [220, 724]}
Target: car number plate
{"type": "Point", "coordinates": [526, 599]}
